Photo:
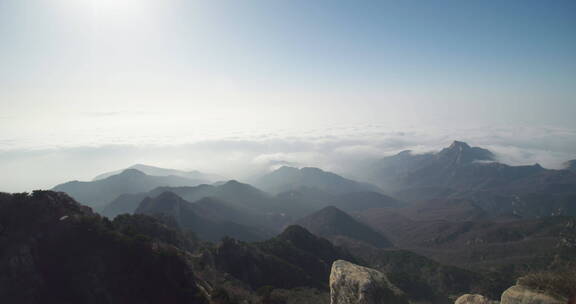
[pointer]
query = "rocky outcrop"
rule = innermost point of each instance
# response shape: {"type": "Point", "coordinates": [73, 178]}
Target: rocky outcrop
{"type": "Point", "coordinates": [474, 299]}
{"type": "Point", "coordinates": [353, 284]}
{"type": "Point", "coordinates": [518, 294]}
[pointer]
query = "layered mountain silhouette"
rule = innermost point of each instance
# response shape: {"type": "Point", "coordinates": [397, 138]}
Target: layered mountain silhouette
{"type": "Point", "coordinates": [332, 223]}
{"type": "Point", "coordinates": [98, 193]}
{"type": "Point", "coordinates": [208, 219]}
{"type": "Point", "coordinates": [250, 204]}
{"type": "Point", "coordinates": [157, 171]}
{"type": "Point", "coordinates": [459, 206]}
{"type": "Point", "coordinates": [289, 178]}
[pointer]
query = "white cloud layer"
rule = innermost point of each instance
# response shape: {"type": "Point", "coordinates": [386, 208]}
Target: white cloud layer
{"type": "Point", "coordinates": [244, 154]}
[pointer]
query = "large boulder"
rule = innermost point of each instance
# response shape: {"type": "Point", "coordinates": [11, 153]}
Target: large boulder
{"type": "Point", "coordinates": [353, 284]}
{"type": "Point", "coordinates": [518, 294]}
{"type": "Point", "coordinates": [474, 299]}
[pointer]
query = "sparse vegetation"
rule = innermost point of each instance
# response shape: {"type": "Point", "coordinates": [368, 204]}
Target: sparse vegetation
{"type": "Point", "coordinates": [557, 283]}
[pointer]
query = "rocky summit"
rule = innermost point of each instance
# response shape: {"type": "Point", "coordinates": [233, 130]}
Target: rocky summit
{"type": "Point", "coordinates": [474, 299]}
{"type": "Point", "coordinates": [354, 284]}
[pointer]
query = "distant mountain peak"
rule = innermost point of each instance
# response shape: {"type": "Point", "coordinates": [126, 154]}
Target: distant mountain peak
{"type": "Point", "coordinates": [405, 153]}
{"type": "Point", "coordinates": [332, 222]}
{"type": "Point", "coordinates": [236, 185]}
{"type": "Point", "coordinates": [136, 166]}
{"type": "Point", "coordinates": [287, 168]}
{"type": "Point", "coordinates": [166, 202]}
{"type": "Point", "coordinates": [232, 182]}
{"type": "Point", "coordinates": [195, 175]}
{"type": "Point", "coordinates": [333, 211]}
{"type": "Point", "coordinates": [289, 178]}
{"type": "Point", "coordinates": [132, 172]}
{"type": "Point", "coordinates": [295, 232]}
{"type": "Point", "coordinates": [460, 145]}
{"type": "Point", "coordinates": [312, 170]}
{"type": "Point", "coordinates": [460, 152]}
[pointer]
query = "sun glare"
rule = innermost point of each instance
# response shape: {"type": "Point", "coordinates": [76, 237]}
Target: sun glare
{"type": "Point", "coordinates": [119, 6]}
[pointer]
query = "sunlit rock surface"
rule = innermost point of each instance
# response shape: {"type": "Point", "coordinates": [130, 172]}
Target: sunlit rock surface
{"type": "Point", "coordinates": [474, 299]}
{"type": "Point", "coordinates": [523, 295]}
{"type": "Point", "coordinates": [353, 284]}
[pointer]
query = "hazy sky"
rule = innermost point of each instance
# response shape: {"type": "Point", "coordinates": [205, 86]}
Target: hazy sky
{"type": "Point", "coordinates": [84, 77]}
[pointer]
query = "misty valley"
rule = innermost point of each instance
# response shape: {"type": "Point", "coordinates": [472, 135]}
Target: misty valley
{"type": "Point", "coordinates": [455, 225]}
{"type": "Point", "coordinates": [287, 152]}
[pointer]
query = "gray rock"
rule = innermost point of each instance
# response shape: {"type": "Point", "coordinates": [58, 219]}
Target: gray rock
{"type": "Point", "coordinates": [353, 284]}
{"type": "Point", "coordinates": [474, 299]}
{"type": "Point", "coordinates": [523, 295]}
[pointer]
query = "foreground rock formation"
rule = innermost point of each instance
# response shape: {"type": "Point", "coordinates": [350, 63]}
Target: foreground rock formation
{"type": "Point", "coordinates": [353, 284]}
{"type": "Point", "coordinates": [474, 299]}
{"type": "Point", "coordinates": [518, 294]}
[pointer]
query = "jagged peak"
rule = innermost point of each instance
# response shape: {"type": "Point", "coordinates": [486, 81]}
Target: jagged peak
{"type": "Point", "coordinates": [459, 145]}
{"type": "Point", "coordinates": [461, 152]}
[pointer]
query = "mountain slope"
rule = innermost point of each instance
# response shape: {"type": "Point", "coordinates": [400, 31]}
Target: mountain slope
{"type": "Point", "coordinates": [570, 165]}
{"type": "Point", "coordinates": [295, 258]}
{"type": "Point", "coordinates": [332, 222]}
{"type": "Point", "coordinates": [57, 251]}
{"type": "Point", "coordinates": [125, 203]}
{"type": "Point", "coordinates": [289, 178]}
{"type": "Point", "coordinates": [359, 201]}
{"type": "Point", "coordinates": [101, 192]}
{"type": "Point", "coordinates": [208, 219]}
{"type": "Point", "coordinates": [480, 244]}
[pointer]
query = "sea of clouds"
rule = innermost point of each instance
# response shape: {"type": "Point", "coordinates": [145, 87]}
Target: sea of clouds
{"type": "Point", "coordinates": [244, 154]}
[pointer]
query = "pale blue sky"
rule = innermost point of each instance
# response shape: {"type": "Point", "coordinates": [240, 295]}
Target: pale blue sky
{"type": "Point", "coordinates": [76, 73]}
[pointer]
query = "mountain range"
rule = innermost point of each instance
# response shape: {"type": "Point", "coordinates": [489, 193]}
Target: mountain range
{"type": "Point", "coordinates": [100, 192]}
{"type": "Point", "coordinates": [439, 224]}
{"type": "Point", "coordinates": [470, 174]}
{"type": "Point", "coordinates": [289, 178]}
{"type": "Point", "coordinates": [209, 219]}
{"type": "Point", "coordinates": [157, 171]}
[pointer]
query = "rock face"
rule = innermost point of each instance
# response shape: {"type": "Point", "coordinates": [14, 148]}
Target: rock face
{"type": "Point", "coordinates": [353, 284]}
{"type": "Point", "coordinates": [523, 295]}
{"type": "Point", "coordinates": [473, 299]}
